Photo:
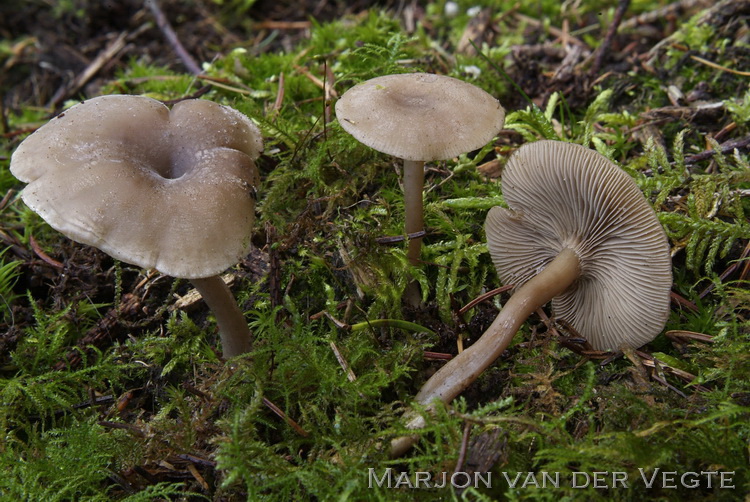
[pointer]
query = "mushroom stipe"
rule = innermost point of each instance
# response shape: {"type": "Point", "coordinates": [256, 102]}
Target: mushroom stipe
{"type": "Point", "coordinates": [580, 233]}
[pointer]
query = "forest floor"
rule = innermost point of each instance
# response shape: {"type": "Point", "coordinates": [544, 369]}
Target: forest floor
{"type": "Point", "coordinates": [111, 381]}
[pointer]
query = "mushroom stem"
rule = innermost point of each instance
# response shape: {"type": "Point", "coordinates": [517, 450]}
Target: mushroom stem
{"type": "Point", "coordinates": [235, 335]}
{"type": "Point", "coordinates": [462, 370]}
{"type": "Point", "coordinates": [413, 186]}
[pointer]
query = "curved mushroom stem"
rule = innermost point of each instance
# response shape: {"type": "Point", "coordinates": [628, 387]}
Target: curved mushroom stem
{"type": "Point", "coordinates": [413, 187]}
{"type": "Point", "coordinates": [462, 370]}
{"type": "Point", "coordinates": [235, 335]}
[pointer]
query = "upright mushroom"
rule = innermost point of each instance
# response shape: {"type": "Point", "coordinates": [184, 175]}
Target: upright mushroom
{"type": "Point", "coordinates": [419, 117]}
{"type": "Point", "coordinates": [170, 190]}
{"type": "Point", "coordinates": [579, 232]}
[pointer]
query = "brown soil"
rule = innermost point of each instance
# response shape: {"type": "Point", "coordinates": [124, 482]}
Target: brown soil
{"type": "Point", "coordinates": [54, 47]}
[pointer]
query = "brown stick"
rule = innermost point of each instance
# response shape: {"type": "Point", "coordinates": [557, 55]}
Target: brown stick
{"type": "Point", "coordinates": [724, 148]}
{"type": "Point", "coordinates": [671, 9]}
{"type": "Point", "coordinates": [92, 69]}
{"type": "Point", "coordinates": [622, 6]}
{"type": "Point", "coordinates": [464, 446]}
{"type": "Point", "coordinates": [294, 425]}
{"type": "Point", "coordinates": [163, 23]}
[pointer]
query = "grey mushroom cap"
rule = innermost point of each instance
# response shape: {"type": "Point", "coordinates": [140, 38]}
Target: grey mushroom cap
{"type": "Point", "coordinates": [561, 195]}
{"type": "Point", "coordinates": [420, 116]}
{"type": "Point", "coordinates": [158, 188]}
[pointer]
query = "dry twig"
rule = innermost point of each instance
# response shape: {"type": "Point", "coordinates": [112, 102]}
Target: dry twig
{"type": "Point", "coordinates": [163, 23]}
{"type": "Point", "coordinates": [603, 49]}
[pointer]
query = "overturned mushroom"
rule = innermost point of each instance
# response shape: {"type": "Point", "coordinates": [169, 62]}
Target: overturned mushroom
{"type": "Point", "coordinates": [166, 189]}
{"type": "Point", "coordinates": [578, 232]}
{"type": "Point", "coordinates": [419, 117]}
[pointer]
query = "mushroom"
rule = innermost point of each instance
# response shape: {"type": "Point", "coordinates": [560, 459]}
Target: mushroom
{"type": "Point", "coordinates": [579, 232]}
{"type": "Point", "coordinates": [170, 190]}
{"type": "Point", "coordinates": [419, 117]}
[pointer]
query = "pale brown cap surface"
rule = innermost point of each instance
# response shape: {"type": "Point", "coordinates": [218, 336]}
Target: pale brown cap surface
{"type": "Point", "coordinates": [170, 190]}
{"type": "Point", "coordinates": [565, 195]}
{"type": "Point", "coordinates": [420, 116]}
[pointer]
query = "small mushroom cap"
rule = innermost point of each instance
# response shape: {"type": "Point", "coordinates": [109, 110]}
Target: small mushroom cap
{"type": "Point", "coordinates": [565, 195]}
{"type": "Point", "coordinates": [420, 116]}
{"type": "Point", "coordinates": [166, 189]}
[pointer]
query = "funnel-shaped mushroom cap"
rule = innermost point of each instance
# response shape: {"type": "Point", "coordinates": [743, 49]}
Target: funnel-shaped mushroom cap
{"type": "Point", "coordinates": [171, 190]}
{"type": "Point", "coordinates": [420, 116]}
{"type": "Point", "coordinates": [563, 195]}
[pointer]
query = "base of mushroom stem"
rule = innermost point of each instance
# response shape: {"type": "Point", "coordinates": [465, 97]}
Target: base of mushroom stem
{"type": "Point", "coordinates": [402, 444]}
